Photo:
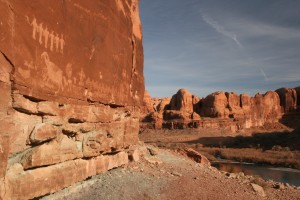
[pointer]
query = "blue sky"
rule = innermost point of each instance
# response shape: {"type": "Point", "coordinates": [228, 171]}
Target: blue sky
{"type": "Point", "coordinates": [212, 45]}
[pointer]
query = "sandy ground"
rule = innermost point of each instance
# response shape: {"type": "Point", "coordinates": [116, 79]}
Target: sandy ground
{"type": "Point", "coordinates": [167, 174]}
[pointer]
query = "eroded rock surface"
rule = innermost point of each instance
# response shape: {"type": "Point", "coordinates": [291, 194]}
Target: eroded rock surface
{"type": "Point", "coordinates": [288, 99]}
{"type": "Point", "coordinates": [71, 87]}
{"type": "Point", "coordinates": [226, 110]}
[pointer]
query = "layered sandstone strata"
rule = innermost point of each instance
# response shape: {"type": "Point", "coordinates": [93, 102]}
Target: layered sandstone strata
{"type": "Point", "coordinates": [71, 84]}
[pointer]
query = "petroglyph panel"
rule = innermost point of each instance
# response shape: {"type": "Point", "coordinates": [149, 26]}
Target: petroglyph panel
{"type": "Point", "coordinates": [45, 35]}
{"type": "Point", "coordinates": [81, 50]}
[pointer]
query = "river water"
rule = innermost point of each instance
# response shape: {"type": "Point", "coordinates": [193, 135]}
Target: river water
{"type": "Point", "coordinates": [284, 175]}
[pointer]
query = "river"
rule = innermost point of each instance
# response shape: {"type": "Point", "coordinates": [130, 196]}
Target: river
{"type": "Point", "coordinates": [284, 175]}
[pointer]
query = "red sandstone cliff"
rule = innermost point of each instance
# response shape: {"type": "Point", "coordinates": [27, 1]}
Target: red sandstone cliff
{"type": "Point", "coordinates": [225, 109]}
{"type": "Point", "coordinates": [288, 99]}
{"type": "Point", "coordinates": [71, 83]}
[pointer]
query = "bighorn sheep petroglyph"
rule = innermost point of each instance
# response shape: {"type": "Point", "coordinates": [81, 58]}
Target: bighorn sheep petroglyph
{"type": "Point", "coordinates": [54, 74]}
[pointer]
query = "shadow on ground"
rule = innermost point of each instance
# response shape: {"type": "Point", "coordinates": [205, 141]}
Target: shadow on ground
{"type": "Point", "coordinates": [264, 141]}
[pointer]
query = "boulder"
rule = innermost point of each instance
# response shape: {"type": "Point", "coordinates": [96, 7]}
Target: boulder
{"type": "Point", "coordinates": [195, 155]}
{"type": "Point", "coordinates": [134, 155]}
{"type": "Point", "coordinates": [258, 189]}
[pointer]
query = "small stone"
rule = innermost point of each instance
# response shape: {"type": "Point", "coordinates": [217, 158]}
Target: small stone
{"type": "Point", "coordinates": [258, 189]}
{"type": "Point", "coordinates": [232, 175]}
{"type": "Point", "coordinates": [134, 155]}
{"type": "Point", "coordinates": [279, 186]}
{"type": "Point", "coordinates": [152, 151]}
{"type": "Point", "coordinates": [176, 174]}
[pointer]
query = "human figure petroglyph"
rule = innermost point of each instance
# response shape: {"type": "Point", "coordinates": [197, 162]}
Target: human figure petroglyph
{"type": "Point", "coordinates": [81, 77]}
{"type": "Point", "coordinates": [41, 33]}
{"type": "Point", "coordinates": [46, 35]}
{"type": "Point", "coordinates": [54, 74]}
{"type": "Point", "coordinates": [56, 42]}
{"type": "Point", "coordinates": [34, 27]}
{"type": "Point", "coordinates": [62, 43]}
{"type": "Point", "coordinates": [69, 70]}
{"type": "Point", "coordinates": [51, 40]}
{"type": "Point", "coordinates": [68, 78]}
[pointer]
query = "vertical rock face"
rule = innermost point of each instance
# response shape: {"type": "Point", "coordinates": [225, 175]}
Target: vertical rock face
{"type": "Point", "coordinates": [271, 105]}
{"type": "Point", "coordinates": [148, 103]}
{"type": "Point", "coordinates": [225, 109]}
{"type": "Point", "coordinates": [215, 105]}
{"type": "Point", "coordinates": [182, 101]}
{"type": "Point", "coordinates": [5, 106]}
{"type": "Point", "coordinates": [288, 99]}
{"type": "Point", "coordinates": [234, 105]}
{"type": "Point", "coordinates": [297, 89]}
{"type": "Point", "coordinates": [71, 84]}
{"type": "Point", "coordinates": [75, 50]}
{"type": "Point", "coordinates": [152, 111]}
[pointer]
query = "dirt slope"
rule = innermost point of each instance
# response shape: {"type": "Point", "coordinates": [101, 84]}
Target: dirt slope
{"type": "Point", "coordinates": [169, 175]}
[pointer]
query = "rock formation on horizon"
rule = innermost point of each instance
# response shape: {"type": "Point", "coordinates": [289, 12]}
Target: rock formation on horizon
{"type": "Point", "coordinates": [288, 99]}
{"type": "Point", "coordinates": [71, 84]}
{"type": "Point", "coordinates": [224, 109]}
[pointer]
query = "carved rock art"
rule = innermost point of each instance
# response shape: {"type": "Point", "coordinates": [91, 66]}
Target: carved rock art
{"type": "Point", "coordinates": [44, 35]}
{"type": "Point", "coordinates": [54, 74]}
{"type": "Point", "coordinates": [66, 116]}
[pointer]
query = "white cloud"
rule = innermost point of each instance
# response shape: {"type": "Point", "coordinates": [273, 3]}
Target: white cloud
{"type": "Point", "coordinates": [263, 74]}
{"type": "Point", "coordinates": [219, 28]}
{"type": "Point", "coordinates": [254, 28]}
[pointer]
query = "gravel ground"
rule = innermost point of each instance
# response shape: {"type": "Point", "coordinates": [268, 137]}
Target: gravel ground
{"type": "Point", "coordinates": [169, 175]}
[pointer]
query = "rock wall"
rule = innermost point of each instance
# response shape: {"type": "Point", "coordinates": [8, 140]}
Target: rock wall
{"type": "Point", "coordinates": [297, 89]}
{"type": "Point", "coordinates": [288, 99]}
{"type": "Point", "coordinates": [71, 85]}
{"type": "Point", "coordinates": [226, 110]}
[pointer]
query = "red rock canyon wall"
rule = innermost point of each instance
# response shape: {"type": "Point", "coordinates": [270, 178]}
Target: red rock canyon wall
{"type": "Point", "coordinates": [71, 84]}
{"type": "Point", "coordinates": [225, 110]}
